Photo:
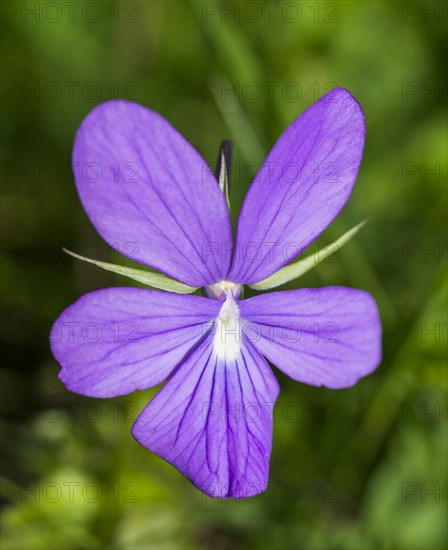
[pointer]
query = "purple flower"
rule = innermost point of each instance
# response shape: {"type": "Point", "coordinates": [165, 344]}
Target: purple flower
{"type": "Point", "coordinates": [140, 182]}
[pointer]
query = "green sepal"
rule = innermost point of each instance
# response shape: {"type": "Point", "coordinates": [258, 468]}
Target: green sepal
{"type": "Point", "coordinates": [297, 269]}
{"type": "Point", "coordinates": [156, 280]}
{"type": "Point", "coordinates": [224, 178]}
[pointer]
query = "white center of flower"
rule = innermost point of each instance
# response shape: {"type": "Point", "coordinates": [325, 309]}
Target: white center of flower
{"type": "Point", "coordinates": [227, 339]}
{"type": "Point", "coordinates": [219, 291]}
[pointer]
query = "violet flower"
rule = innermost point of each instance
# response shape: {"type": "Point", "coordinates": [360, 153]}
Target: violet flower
{"type": "Point", "coordinates": [141, 182]}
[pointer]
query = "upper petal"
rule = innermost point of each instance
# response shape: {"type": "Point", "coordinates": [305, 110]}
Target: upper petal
{"type": "Point", "coordinates": [150, 195]}
{"type": "Point", "coordinates": [303, 184]}
{"type": "Point", "coordinates": [324, 337]}
{"type": "Point", "coordinates": [213, 422]}
{"type": "Point", "coordinates": [117, 340]}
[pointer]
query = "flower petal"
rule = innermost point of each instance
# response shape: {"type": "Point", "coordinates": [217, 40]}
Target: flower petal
{"type": "Point", "coordinates": [301, 187]}
{"type": "Point", "coordinates": [213, 422]}
{"type": "Point", "coordinates": [150, 195]}
{"type": "Point", "coordinates": [324, 337]}
{"type": "Point", "coordinates": [117, 340]}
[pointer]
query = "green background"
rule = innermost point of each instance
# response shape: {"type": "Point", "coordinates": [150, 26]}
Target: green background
{"type": "Point", "coordinates": [350, 469]}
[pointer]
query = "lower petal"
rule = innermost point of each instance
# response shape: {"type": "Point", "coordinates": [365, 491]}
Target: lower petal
{"type": "Point", "coordinates": [324, 337]}
{"type": "Point", "coordinates": [213, 422]}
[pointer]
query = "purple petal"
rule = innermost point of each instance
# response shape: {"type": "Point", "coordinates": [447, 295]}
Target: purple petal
{"type": "Point", "coordinates": [213, 422]}
{"type": "Point", "coordinates": [150, 195]}
{"type": "Point", "coordinates": [301, 187]}
{"type": "Point", "coordinates": [117, 340]}
{"type": "Point", "coordinates": [324, 337]}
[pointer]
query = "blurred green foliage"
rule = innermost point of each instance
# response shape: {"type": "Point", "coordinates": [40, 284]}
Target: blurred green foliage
{"type": "Point", "coordinates": [351, 469]}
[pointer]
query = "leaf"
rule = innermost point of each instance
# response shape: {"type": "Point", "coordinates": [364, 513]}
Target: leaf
{"type": "Point", "coordinates": [156, 280]}
{"type": "Point", "coordinates": [297, 269]}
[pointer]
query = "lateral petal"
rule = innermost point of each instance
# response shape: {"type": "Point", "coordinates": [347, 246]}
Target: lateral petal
{"type": "Point", "coordinates": [117, 340]}
{"type": "Point", "coordinates": [323, 337]}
